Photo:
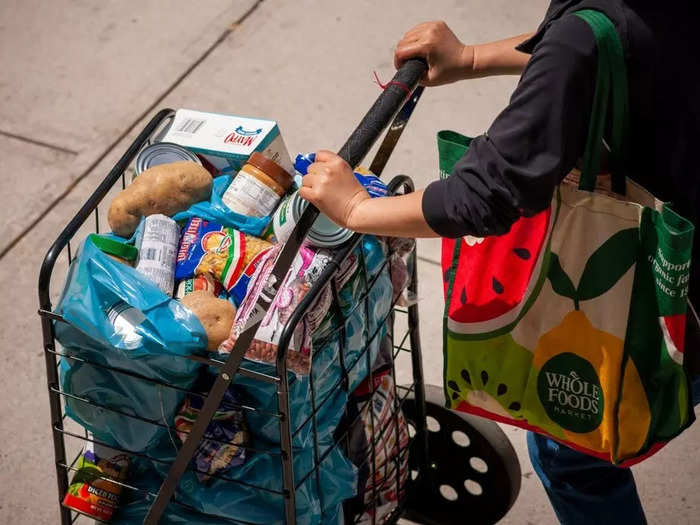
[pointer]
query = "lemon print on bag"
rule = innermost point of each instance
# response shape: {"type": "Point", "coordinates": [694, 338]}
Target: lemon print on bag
{"type": "Point", "coordinates": [577, 368]}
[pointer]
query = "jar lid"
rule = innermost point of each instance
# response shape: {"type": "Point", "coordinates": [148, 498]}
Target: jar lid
{"type": "Point", "coordinates": [271, 169]}
{"type": "Point", "coordinates": [112, 247]}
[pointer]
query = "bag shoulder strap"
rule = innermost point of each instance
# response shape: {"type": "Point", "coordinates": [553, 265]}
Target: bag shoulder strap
{"type": "Point", "coordinates": [611, 83]}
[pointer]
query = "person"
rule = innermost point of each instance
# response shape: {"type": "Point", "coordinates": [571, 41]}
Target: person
{"type": "Point", "coordinates": [514, 168]}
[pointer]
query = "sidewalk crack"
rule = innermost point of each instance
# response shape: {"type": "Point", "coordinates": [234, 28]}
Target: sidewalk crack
{"type": "Point", "coordinates": [35, 142]}
{"type": "Point", "coordinates": [129, 128]}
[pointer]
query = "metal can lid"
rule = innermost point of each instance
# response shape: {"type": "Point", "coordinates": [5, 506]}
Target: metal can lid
{"type": "Point", "coordinates": [324, 233]}
{"type": "Point", "coordinates": [163, 153]}
{"type": "Point", "coordinates": [113, 247]}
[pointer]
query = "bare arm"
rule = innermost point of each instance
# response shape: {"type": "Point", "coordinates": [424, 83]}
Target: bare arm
{"type": "Point", "coordinates": [449, 60]}
{"type": "Point", "coordinates": [405, 219]}
{"type": "Point", "coordinates": [499, 58]}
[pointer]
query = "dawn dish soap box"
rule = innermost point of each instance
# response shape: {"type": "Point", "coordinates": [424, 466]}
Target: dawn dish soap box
{"type": "Point", "coordinates": [226, 141]}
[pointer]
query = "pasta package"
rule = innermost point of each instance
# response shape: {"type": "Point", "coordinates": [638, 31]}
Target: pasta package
{"type": "Point", "coordinates": [208, 247]}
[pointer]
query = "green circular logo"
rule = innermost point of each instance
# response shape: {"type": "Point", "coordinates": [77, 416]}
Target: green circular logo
{"type": "Point", "coordinates": [570, 392]}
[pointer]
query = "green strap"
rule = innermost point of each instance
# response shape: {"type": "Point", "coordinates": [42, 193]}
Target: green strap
{"type": "Point", "coordinates": [611, 79]}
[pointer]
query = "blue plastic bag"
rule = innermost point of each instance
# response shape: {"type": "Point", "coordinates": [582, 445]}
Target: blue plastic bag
{"type": "Point", "coordinates": [214, 210]}
{"type": "Point", "coordinates": [241, 501]}
{"type": "Point", "coordinates": [327, 371]}
{"type": "Point", "coordinates": [137, 337]}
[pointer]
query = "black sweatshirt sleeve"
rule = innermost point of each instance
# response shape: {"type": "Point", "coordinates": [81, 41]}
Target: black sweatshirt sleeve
{"type": "Point", "coordinates": [530, 147]}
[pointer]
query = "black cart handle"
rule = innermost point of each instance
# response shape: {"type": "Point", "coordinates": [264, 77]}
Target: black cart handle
{"type": "Point", "coordinates": [353, 151]}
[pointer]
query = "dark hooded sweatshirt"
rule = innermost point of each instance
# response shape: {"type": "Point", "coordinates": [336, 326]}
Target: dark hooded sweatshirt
{"type": "Point", "coordinates": [514, 168]}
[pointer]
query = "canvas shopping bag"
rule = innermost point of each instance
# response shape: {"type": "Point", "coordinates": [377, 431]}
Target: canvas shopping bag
{"type": "Point", "coordinates": [572, 324]}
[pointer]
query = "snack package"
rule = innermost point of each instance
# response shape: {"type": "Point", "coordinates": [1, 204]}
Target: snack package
{"type": "Point", "coordinates": [400, 276]}
{"type": "Point", "coordinates": [225, 439]}
{"type": "Point", "coordinates": [92, 490]}
{"type": "Point", "coordinates": [305, 270]}
{"type": "Point", "coordinates": [378, 478]}
{"type": "Point", "coordinates": [373, 184]}
{"type": "Point", "coordinates": [207, 247]}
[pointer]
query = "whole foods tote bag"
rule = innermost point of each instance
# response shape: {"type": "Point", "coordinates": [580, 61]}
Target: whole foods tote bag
{"type": "Point", "coordinates": [572, 324]}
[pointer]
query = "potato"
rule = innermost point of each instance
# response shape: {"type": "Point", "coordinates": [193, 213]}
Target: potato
{"type": "Point", "coordinates": [166, 189]}
{"type": "Point", "coordinates": [216, 315]}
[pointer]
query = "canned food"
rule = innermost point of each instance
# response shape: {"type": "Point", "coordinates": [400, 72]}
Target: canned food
{"type": "Point", "coordinates": [324, 233]}
{"type": "Point", "coordinates": [93, 490]}
{"type": "Point", "coordinates": [163, 153]}
{"type": "Point", "coordinates": [158, 242]}
{"type": "Point", "coordinates": [204, 282]}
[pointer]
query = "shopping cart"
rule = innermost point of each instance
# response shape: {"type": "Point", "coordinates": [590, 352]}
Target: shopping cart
{"type": "Point", "coordinates": [462, 468]}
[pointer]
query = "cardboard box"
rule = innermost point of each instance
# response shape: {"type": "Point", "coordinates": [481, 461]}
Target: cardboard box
{"type": "Point", "coordinates": [226, 141]}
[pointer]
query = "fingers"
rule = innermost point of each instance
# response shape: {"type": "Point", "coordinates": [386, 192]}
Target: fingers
{"type": "Point", "coordinates": [404, 51]}
{"type": "Point", "coordinates": [306, 193]}
{"type": "Point", "coordinates": [323, 155]}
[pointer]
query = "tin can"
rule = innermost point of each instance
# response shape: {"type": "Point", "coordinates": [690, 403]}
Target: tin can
{"type": "Point", "coordinates": [204, 282]}
{"type": "Point", "coordinates": [157, 241]}
{"type": "Point", "coordinates": [163, 153]}
{"type": "Point", "coordinates": [93, 490]}
{"type": "Point", "coordinates": [324, 233]}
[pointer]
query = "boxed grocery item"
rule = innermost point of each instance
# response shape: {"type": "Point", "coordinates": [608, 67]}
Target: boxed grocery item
{"type": "Point", "coordinates": [226, 141]}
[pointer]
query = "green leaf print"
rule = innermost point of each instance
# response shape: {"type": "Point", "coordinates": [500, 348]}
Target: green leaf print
{"type": "Point", "coordinates": [561, 283]}
{"type": "Point", "coordinates": [608, 264]}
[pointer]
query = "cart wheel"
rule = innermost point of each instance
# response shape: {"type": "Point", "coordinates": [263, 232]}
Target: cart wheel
{"type": "Point", "coordinates": [474, 472]}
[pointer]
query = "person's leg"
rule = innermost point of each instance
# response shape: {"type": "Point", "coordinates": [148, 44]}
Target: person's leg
{"type": "Point", "coordinates": [583, 489]}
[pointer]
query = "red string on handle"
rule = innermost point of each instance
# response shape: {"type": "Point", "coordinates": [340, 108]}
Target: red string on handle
{"type": "Point", "coordinates": [392, 83]}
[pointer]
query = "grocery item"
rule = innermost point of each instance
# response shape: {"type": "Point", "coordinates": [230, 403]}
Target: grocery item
{"type": "Point", "coordinates": [93, 490]}
{"type": "Point", "coordinates": [166, 189]}
{"type": "Point", "coordinates": [203, 282]}
{"type": "Point", "coordinates": [378, 432]}
{"type": "Point", "coordinates": [225, 439]}
{"type": "Point", "coordinates": [157, 239]}
{"type": "Point", "coordinates": [207, 247]}
{"type": "Point", "coordinates": [399, 247]}
{"type": "Point", "coordinates": [257, 188]}
{"type": "Point", "coordinates": [304, 271]}
{"type": "Point", "coordinates": [240, 289]}
{"type": "Point", "coordinates": [373, 184]}
{"type": "Point", "coordinates": [162, 153]}
{"type": "Point", "coordinates": [216, 315]}
{"type": "Point", "coordinates": [226, 141]}
{"type": "Point", "coordinates": [119, 251]}
{"type": "Point", "coordinates": [324, 233]}
{"type": "Point", "coordinates": [125, 318]}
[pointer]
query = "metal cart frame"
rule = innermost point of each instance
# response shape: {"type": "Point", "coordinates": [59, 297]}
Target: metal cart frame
{"type": "Point", "coordinates": [413, 395]}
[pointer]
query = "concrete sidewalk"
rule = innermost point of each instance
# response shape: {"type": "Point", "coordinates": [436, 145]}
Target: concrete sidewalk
{"type": "Point", "coordinates": [80, 81]}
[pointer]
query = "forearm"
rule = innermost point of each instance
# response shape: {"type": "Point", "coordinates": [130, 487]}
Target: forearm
{"type": "Point", "coordinates": [499, 58]}
{"type": "Point", "coordinates": [400, 216]}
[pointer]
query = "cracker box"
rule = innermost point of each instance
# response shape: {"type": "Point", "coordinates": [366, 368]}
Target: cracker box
{"type": "Point", "coordinates": [226, 141]}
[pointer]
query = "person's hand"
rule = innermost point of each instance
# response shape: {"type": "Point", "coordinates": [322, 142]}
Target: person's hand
{"type": "Point", "coordinates": [448, 59]}
{"type": "Point", "coordinates": [332, 187]}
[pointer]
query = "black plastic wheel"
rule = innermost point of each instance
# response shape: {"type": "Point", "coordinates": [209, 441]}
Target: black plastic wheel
{"type": "Point", "coordinates": [474, 473]}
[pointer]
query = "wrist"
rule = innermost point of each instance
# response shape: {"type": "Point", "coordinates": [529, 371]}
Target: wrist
{"type": "Point", "coordinates": [354, 214]}
{"type": "Point", "coordinates": [468, 60]}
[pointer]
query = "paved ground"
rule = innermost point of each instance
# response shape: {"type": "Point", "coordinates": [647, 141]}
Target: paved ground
{"type": "Point", "coordinates": [79, 78]}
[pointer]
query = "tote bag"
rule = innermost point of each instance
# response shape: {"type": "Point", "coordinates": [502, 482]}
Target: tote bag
{"type": "Point", "coordinates": [571, 325]}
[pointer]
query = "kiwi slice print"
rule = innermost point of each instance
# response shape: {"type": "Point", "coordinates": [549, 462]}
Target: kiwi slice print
{"type": "Point", "coordinates": [491, 375]}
